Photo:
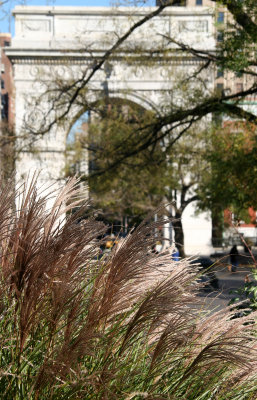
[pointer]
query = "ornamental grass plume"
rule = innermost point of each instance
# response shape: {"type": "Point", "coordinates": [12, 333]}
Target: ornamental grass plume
{"type": "Point", "coordinates": [123, 326]}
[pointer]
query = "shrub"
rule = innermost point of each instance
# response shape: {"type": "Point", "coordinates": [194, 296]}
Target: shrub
{"type": "Point", "coordinates": [245, 300]}
{"type": "Point", "coordinates": [124, 326]}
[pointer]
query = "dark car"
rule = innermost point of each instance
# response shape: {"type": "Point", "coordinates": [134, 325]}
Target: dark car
{"type": "Point", "coordinates": [208, 276]}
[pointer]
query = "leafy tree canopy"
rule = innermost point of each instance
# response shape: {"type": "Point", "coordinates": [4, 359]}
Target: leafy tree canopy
{"type": "Point", "coordinates": [232, 181]}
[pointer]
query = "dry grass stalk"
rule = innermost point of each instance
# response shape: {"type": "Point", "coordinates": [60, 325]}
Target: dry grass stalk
{"type": "Point", "coordinates": [74, 326]}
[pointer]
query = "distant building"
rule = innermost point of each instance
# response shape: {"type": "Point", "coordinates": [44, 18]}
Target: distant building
{"type": "Point", "coordinates": [186, 3]}
{"type": "Point", "coordinates": [7, 112]}
{"type": "Point", "coordinates": [7, 137]}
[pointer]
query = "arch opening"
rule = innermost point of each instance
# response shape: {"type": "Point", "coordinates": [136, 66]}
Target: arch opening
{"type": "Point", "coordinates": [89, 123]}
{"type": "Point", "coordinates": [102, 136]}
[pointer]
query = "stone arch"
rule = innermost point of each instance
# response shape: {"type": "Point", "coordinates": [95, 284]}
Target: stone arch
{"type": "Point", "coordinates": [145, 86]}
{"type": "Point", "coordinates": [133, 98]}
{"type": "Point", "coordinates": [136, 98]}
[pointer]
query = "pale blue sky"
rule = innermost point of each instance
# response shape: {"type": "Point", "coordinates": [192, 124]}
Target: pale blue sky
{"type": "Point", "coordinates": [6, 22]}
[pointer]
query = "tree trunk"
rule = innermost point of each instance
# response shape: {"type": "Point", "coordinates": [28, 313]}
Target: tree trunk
{"type": "Point", "coordinates": [217, 227]}
{"type": "Point", "coordinates": [179, 235]}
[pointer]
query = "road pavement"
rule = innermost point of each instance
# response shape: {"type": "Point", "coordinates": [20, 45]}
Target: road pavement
{"type": "Point", "coordinates": [228, 282]}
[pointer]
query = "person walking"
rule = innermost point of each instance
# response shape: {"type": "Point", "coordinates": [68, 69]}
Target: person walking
{"type": "Point", "coordinates": [233, 258]}
{"type": "Point", "coordinates": [175, 254]}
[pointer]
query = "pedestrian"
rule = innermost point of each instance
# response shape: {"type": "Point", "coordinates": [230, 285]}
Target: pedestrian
{"type": "Point", "coordinates": [175, 254]}
{"type": "Point", "coordinates": [233, 258]}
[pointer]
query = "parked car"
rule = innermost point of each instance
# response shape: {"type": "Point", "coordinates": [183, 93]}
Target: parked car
{"type": "Point", "coordinates": [208, 275]}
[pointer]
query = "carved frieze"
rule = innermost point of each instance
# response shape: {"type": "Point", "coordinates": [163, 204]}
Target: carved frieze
{"type": "Point", "coordinates": [35, 25]}
{"type": "Point", "coordinates": [35, 118]}
{"type": "Point", "coordinates": [34, 71]}
{"type": "Point", "coordinates": [193, 26]}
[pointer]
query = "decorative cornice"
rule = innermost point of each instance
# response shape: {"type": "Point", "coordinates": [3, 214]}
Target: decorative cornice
{"type": "Point", "coordinates": [109, 11]}
{"type": "Point", "coordinates": [81, 60]}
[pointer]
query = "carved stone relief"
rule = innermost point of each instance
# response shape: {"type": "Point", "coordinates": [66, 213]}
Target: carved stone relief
{"type": "Point", "coordinates": [35, 25]}
{"type": "Point", "coordinates": [193, 26]}
{"type": "Point", "coordinates": [34, 71]}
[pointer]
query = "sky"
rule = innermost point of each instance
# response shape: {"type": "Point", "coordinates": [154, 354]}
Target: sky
{"type": "Point", "coordinates": [7, 22]}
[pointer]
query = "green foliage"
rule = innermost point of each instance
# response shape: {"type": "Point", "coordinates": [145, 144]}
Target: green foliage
{"type": "Point", "coordinates": [248, 295]}
{"type": "Point", "coordinates": [130, 187]}
{"type": "Point", "coordinates": [77, 327]}
{"type": "Point", "coordinates": [238, 49]}
{"type": "Point", "coordinates": [231, 182]}
{"type": "Point", "coordinates": [165, 172]}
